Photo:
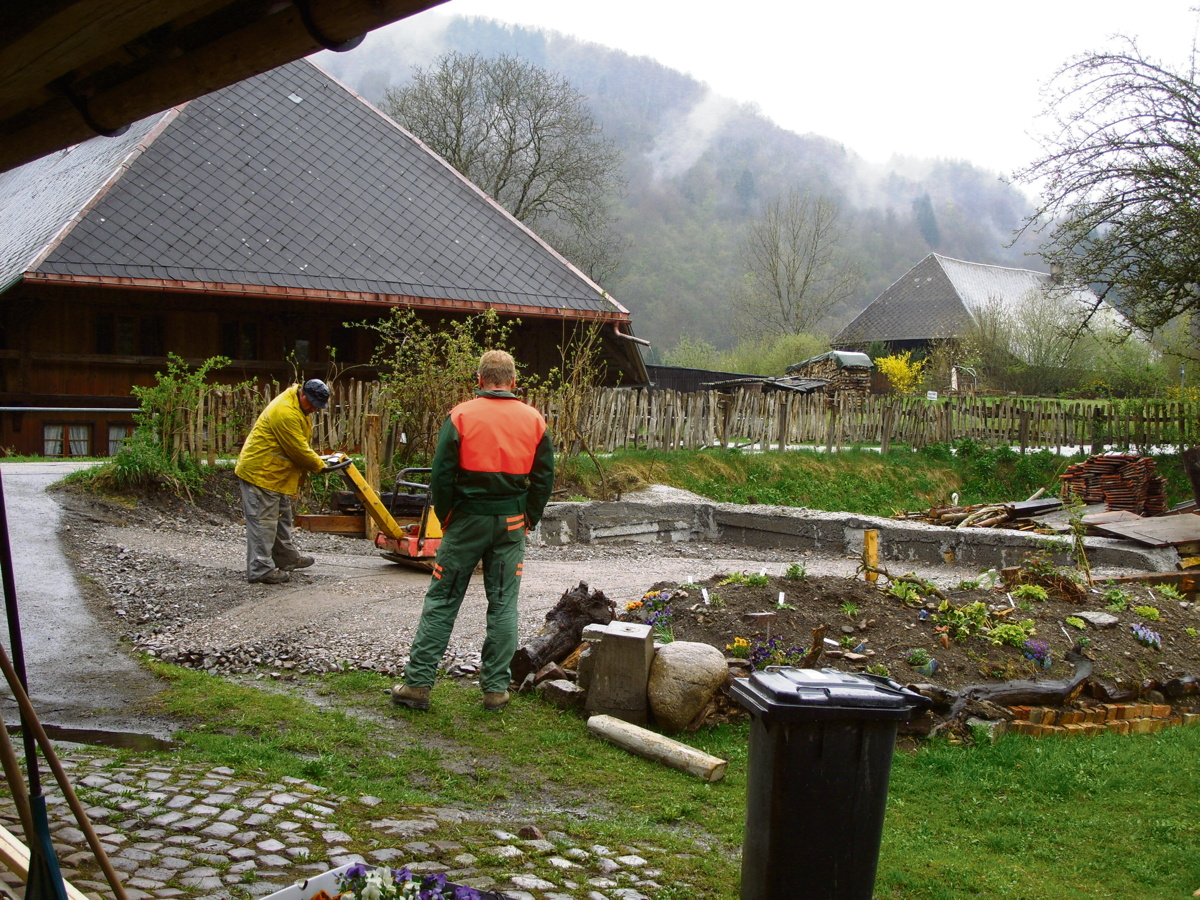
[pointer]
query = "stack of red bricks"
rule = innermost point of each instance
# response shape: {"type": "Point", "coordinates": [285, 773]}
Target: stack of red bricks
{"type": "Point", "coordinates": [1121, 718]}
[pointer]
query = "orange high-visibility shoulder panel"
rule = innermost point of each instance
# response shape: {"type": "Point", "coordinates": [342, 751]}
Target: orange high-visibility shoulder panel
{"type": "Point", "coordinates": [497, 435]}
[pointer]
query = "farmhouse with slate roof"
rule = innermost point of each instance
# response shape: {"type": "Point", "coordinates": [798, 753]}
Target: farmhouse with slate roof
{"type": "Point", "coordinates": [254, 223]}
{"type": "Point", "coordinates": [937, 299]}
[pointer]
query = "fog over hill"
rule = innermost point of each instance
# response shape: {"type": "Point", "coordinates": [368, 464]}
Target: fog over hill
{"type": "Point", "coordinates": [700, 167]}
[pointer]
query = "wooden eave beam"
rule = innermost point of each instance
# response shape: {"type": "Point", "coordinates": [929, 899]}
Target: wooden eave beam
{"type": "Point", "coordinates": [173, 74]}
{"type": "Point", "coordinates": [307, 295]}
{"type": "Point", "coordinates": [49, 43]}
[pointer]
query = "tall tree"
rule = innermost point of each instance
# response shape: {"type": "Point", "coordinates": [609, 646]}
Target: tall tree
{"type": "Point", "coordinates": [797, 271]}
{"type": "Point", "coordinates": [1120, 176]}
{"type": "Point", "coordinates": [525, 136]}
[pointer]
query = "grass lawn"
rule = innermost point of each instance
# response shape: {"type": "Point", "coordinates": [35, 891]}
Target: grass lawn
{"type": "Point", "coordinates": [1105, 817]}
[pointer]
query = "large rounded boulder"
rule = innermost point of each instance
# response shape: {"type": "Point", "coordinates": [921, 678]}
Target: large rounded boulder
{"type": "Point", "coordinates": [684, 676]}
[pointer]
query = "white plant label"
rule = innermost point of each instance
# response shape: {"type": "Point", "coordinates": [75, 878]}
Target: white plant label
{"type": "Point", "coordinates": [781, 598]}
{"type": "Point", "coordinates": [704, 594]}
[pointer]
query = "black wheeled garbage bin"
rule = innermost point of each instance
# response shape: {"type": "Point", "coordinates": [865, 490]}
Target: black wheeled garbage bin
{"type": "Point", "coordinates": [821, 746]}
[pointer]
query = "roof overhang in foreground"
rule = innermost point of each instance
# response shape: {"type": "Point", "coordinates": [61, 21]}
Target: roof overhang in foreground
{"type": "Point", "coordinates": [73, 69]}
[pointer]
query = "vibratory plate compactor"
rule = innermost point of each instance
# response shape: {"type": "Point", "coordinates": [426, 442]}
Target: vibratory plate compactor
{"type": "Point", "coordinates": [409, 531]}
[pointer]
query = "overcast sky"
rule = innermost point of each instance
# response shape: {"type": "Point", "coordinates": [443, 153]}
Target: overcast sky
{"type": "Point", "coordinates": [926, 78]}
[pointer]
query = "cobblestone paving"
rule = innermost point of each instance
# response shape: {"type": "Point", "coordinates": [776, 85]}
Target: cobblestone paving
{"type": "Point", "coordinates": [191, 831]}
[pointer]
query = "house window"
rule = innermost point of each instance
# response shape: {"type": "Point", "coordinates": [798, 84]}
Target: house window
{"type": "Point", "coordinates": [129, 335]}
{"type": "Point", "coordinates": [67, 440]}
{"type": "Point", "coordinates": [239, 340]}
{"type": "Point", "coordinates": [300, 349]}
{"type": "Point", "coordinates": [117, 433]}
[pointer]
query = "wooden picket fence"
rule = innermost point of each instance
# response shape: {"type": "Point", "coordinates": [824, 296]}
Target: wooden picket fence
{"type": "Point", "coordinates": [615, 418]}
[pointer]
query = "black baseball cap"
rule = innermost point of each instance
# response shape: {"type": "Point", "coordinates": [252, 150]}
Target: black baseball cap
{"type": "Point", "coordinates": [317, 392]}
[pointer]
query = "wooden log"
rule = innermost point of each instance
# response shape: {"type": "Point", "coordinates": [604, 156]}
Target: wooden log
{"type": "Point", "coordinates": [563, 631]}
{"type": "Point", "coordinates": [1025, 692]}
{"type": "Point", "coordinates": [650, 745]}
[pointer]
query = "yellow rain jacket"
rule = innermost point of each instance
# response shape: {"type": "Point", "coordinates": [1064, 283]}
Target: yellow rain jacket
{"type": "Point", "coordinates": [277, 452]}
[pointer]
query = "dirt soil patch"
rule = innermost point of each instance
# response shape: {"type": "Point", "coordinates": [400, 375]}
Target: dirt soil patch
{"type": "Point", "coordinates": [166, 573]}
{"type": "Point", "coordinates": [877, 631]}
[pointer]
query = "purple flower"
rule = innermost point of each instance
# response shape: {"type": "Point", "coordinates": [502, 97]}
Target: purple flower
{"type": "Point", "coordinates": [358, 870]}
{"type": "Point", "coordinates": [1038, 651]}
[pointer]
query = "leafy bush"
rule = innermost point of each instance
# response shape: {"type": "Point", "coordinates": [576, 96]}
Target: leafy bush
{"type": "Point", "coordinates": [1116, 599]}
{"type": "Point", "coordinates": [1013, 634]}
{"type": "Point", "coordinates": [1149, 613]}
{"type": "Point", "coordinates": [903, 373]}
{"type": "Point", "coordinates": [427, 368]}
{"type": "Point", "coordinates": [1076, 622]}
{"type": "Point", "coordinates": [155, 452]}
{"type": "Point", "coordinates": [1031, 592]}
{"type": "Point", "coordinates": [961, 622]}
{"type": "Point", "coordinates": [796, 572]}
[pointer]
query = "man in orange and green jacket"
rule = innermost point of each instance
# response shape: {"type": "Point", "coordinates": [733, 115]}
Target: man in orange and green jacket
{"type": "Point", "coordinates": [493, 471]}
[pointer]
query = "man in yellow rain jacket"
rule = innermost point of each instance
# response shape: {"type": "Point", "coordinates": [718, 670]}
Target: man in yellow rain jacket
{"type": "Point", "coordinates": [274, 458]}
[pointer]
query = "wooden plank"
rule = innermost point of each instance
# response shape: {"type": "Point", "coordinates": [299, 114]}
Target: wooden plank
{"type": "Point", "coordinates": [15, 857]}
{"type": "Point", "coordinates": [1109, 516]}
{"type": "Point", "coordinates": [332, 524]}
{"type": "Point", "coordinates": [1162, 531]}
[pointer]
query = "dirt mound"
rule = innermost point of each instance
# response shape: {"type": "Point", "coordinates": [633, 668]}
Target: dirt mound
{"type": "Point", "coordinates": [898, 627]}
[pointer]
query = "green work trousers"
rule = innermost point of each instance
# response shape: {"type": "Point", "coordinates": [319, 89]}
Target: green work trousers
{"type": "Point", "coordinates": [499, 541]}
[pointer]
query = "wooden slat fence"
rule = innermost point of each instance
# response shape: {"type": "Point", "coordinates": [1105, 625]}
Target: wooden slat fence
{"type": "Point", "coordinates": [611, 418]}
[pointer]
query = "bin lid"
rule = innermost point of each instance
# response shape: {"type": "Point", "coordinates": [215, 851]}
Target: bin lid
{"type": "Point", "coordinates": [789, 693]}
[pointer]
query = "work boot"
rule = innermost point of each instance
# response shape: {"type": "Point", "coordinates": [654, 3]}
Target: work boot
{"type": "Point", "coordinates": [302, 562]}
{"type": "Point", "coordinates": [493, 701]}
{"type": "Point", "coordinates": [412, 697]}
{"type": "Point", "coordinates": [275, 576]}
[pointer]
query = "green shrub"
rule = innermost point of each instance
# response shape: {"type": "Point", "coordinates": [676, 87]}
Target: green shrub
{"type": "Point", "coordinates": [1031, 592]}
{"type": "Point", "coordinates": [1015, 635]}
{"type": "Point", "coordinates": [1148, 612]}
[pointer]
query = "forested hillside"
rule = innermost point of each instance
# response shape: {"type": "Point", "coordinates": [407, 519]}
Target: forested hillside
{"type": "Point", "coordinates": [700, 167]}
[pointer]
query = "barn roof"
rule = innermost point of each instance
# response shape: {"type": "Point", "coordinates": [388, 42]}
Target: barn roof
{"type": "Point", "coordinates": [287, 183]}
{"type": "Point", "coordinates": [936, 299]}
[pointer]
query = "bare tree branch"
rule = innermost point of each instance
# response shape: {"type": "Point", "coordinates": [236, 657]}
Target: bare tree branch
{"type": "Point", "coordinates": [526, 137]}
{"type": "Point", "coordinates": [797, 271]}
{"type": "Point", "coordinates": [1120, 177]}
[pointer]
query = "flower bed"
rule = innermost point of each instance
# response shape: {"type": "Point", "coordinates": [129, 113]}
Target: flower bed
{"type": "Point", "coordinates": [359, 881]}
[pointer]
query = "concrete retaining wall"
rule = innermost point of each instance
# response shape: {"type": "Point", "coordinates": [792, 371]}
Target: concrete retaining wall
{"type": "Point", "coordinates": [776, 527]}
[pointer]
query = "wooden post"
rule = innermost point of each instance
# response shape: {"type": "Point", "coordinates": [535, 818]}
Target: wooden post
{"type": "Point", "coordinates": [885, 431]}
{"type": "Point", "coordinates": [1023, 431]}
{"type": "Point", "coordinates": [831, 426]}
{"type": "Point", "coordinates": [371, 452]}
{"type": "Point", "coordinates": [871, 553]}
{"type": "Point", "coordinates": [1191, 467]}
{"type": "Point", "coordinates": [782, 407]}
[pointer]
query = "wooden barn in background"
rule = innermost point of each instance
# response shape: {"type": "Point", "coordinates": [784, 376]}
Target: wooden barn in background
{"type": "Point", "coordinates": [254, 223]}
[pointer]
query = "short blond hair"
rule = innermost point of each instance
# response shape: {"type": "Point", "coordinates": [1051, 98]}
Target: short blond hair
{"type": "Point", "coordinates": [497, 369]}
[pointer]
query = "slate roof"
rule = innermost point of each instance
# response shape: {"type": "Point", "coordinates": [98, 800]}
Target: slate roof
{"type": "Point", "coordinates": [936, 298]}
{"type": "Point", "coordinates": [287, 182]}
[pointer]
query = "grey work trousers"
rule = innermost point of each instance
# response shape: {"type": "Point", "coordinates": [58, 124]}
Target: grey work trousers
{"type": "Point", "coordinates": [268, 530]}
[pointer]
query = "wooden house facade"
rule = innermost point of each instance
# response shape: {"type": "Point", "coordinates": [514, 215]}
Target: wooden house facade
{"type": "Point", "coordinates": [259, 223]}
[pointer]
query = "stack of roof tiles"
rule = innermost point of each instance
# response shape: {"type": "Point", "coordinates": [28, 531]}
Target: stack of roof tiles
{"type": "Point", "coordinates": [1119, 481]}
